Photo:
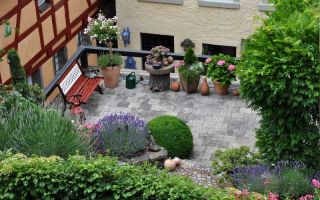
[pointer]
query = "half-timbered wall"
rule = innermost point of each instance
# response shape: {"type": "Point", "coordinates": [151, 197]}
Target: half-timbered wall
{"type": "Point", "coordinates": [39, 35]}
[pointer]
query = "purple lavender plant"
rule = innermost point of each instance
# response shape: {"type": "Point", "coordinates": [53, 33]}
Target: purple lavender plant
{"type": "Point", "coordinates": [283, 165]}
{"type": "Point", "coordinates": [122, 134]}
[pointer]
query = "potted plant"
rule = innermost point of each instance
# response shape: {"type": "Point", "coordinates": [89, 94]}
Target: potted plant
{"type": "Point", "coordinates": [106, 31]}
{"type": "Point", "coordinates": [221, 70]}
{"type": "Point", "coordinates": [110, 65]}
{"type": "Point", "coordinates": [189, 71]}
{"type": "Point", "coordinates": [159, 58]}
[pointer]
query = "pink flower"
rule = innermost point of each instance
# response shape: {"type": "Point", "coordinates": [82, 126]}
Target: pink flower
{"type": "Point", "coordinates": [208, 60]}
{"type": "Point", "coordinates": [273, 196]}
{"type": "Point", "coordinates": [221, 62]}
{"type": "Point", "coordinates": [231, 68]}
{"type": "Point", "coordinates": [316, 183]}
{"type": "Point", "coordinates": [178, 64]}
{"type": "Point", "coordinates": [266, 182]}
{"type": "Point", "coordinates": [245, 193]}
{"type": "Point", "coordinates": [89, 19]}
{"type": "Point", "coordinates": [307, 197]}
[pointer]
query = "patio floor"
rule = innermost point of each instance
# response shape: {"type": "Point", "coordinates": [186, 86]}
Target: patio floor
{"type": "Point", "coordinates": [215, 121]}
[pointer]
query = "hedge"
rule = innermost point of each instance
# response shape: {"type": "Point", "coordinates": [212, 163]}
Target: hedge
{"type": "Point", "coordinates": [79, 177]}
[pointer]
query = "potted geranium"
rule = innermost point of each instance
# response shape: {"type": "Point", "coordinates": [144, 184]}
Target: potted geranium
{"type": "Point", "coordinates": [221, 70]}
{"type": "Point", "coordinates": [106, 31]}
{"type": "Point", "coordinates": [189, 71]}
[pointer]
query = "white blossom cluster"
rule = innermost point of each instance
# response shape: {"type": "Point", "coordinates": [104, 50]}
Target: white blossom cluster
{"type": "Point", "coordinates": [102, 29]}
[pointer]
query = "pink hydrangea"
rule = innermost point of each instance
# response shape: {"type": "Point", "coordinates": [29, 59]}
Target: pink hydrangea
{"type": "Point", "coordinates": [307, 197]}
{"type": "Point", "coordinates": [221, 62]}
{"type": "Point", "coordinates": [316, 183]}
{"type": "Point", "coordinates": [208, 60]}
{"type": "Point", "coordinates": [273, 196]}
{"type": "Point", "coordinates": [231, 67]}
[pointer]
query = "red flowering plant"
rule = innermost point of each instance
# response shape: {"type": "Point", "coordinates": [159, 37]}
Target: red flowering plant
{"type": "Point", "coordinates": [222, 69]}
{"type": "Point", "coordinates": [316, 184]}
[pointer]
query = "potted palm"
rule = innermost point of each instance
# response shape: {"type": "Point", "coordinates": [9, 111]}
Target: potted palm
{"type": "Point", "coordinates": [189, 71]}
{"type": "Point", "coordinates": [105, 30]}
{"type": "Point", "coordinates": [221, 70]}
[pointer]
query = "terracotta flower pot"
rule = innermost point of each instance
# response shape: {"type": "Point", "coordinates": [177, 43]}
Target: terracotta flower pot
{"type": "Point", "coordinates": [111, 76]}
{"type": "Point", "coordinates": [189, 87]}
{"type": "Point", "coordinates": [220, 89]}
{"type": "Point", "coordinates": [175, 86]}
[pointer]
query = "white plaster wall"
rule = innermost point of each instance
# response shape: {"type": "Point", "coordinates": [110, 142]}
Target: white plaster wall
{"type": "Point", "coordinates": [210, 25]}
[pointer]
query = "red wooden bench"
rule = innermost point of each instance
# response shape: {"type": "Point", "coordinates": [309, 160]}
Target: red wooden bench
{"type": "Point", "coordinates": [75, 87]}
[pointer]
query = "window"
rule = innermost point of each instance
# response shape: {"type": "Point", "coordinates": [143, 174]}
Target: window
{"type": "Point", "coordinates": [60, 59]}
{"type": "Point", "coordinates": [36, 78]}
{"type": "Point", "coordinates": [43, 5]}
{"type": "Point", "coordinates": [148, 41]}
{"type": "Point", "coordinates": [231, 4]}
{"type": "Point", "coordinates": [210, 49]}
{"type": "Point", "coordinates": [177, 2]}
{"type": "Point", "coordinates": [265, 6]}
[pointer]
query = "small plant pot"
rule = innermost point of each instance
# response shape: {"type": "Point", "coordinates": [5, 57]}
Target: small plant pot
{"type": "Point", "coordinates": [189, 87]}
{"type": "Point", "coordinates": [157, 65]}
{"type": "Point", "coordinates": [220, 89]}
{"type": "Point", "coordinates": [175, 86]}
{"type": "Point", "coordinates": [111, 76]}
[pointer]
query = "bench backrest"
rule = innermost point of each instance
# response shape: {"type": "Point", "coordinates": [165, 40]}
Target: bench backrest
{"type": "Point", "coordinates": [69, 78]}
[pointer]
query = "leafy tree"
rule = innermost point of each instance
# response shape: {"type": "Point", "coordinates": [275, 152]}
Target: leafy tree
{"type": "Point", "coordinates": [17, 71]}
{"type": "Point", "coordinates": [279, 75]}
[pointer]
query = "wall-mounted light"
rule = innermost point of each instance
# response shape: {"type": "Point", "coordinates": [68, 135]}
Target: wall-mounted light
{"type": "Point", "coordinates": [126, 36]}
{"type": "Point", "coordinates": [7, 29]}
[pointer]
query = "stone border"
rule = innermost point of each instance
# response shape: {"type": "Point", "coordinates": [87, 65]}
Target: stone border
{"type": "Point", "coordinates": [265, 7]}
{"type": "Point", "coordinates": [235, 4]}
{"type": "Point", "coordinates": [176, 2]}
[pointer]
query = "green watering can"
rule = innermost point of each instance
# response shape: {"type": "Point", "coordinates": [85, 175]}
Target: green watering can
{"type": "Point", "coordinates": [131, 80]}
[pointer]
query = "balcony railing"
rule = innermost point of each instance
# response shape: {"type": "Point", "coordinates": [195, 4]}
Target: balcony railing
{"type": "Point", "coordinates": [83, 51]}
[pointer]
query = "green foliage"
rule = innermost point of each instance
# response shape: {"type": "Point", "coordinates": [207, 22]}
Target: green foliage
{"type": "Point", "coordinates": [191, 69]}
{"type": "Point", "coordinates": [17, 71]}
{"type": "Point", "coordinates": [173, 134]}
{"type": "Point", "coordinates": [222, 73]}
{"type": "Point", "coordinates": [26, 128]}
{"type": "Point", "coordinates": [292, 183]}
{"type": "Point", "coordinates": [279, 74]}
{"type": "Point", "coordinates": [190, 57]}
{"type": "Point", "coordinates": [87, 178]}
{"type": "Point", "coordinates": [226, 161]}
{"type": "Point", "coordinates": [109, 60]}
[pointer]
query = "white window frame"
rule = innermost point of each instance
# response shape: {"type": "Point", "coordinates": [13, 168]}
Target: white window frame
{"type": "Point", "coordinates": [176, 2]}
{"type": "Point", "coordinates": [264, 5]}
{"type": "Point", "coordinates": [229, 4]}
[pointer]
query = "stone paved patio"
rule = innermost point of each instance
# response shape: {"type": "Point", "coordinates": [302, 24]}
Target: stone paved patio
{"type": "Point", "coordinates": [216, 121]}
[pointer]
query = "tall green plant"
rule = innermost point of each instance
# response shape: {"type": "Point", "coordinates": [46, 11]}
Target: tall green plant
{"type": "Point", "coordinates": [190, 57]}
{"type": "Point", "coordinates": [17, 71]}
{"type": "Point", "coordinates": [28, 129]}
{"type": "Point", "coordinates": [279, 75]}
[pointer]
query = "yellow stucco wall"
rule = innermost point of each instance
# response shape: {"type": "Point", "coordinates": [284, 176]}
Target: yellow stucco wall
{"type": "Point", "coordinates": [218, 26]}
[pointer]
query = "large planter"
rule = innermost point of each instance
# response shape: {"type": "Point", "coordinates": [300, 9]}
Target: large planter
{"type": "Point", "coordinates": [219, 88]}
{"type": "Point", "coordinates": [189, 87]}
{"type": "Point", "coordinates": [111, 76]}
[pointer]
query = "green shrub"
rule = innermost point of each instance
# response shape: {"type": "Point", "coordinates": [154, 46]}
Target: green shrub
{"type": "Point", "coordinates": [191, 68]}
{"type": "Point", "coordinates": [173, 134]}
{"type": "Point", "coordinates": [17, 71]}
{"type": "Point", "coordinates": [28, 129]}
{"type": "Point", "coordinates": [108, 60]}
{"type": "Point", "coordinates": [101, 178]}
{"type": "Point", "coordinates": [226, 161]}
{"type": "Point", "coordinates": [279, 74]}
{"type": "Point", "coordinates": [292, 183]}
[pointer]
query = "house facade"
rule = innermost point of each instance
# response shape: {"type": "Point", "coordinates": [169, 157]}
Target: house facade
{"type": "Point", "coordinates": [215, 26]}
{"type": "Point", "coordinates": [45, 33]}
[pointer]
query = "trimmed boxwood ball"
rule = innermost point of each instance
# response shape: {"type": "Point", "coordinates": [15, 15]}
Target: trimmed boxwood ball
{"type": "Point", "coordinates": [173, 134]}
